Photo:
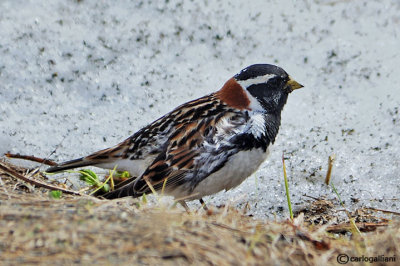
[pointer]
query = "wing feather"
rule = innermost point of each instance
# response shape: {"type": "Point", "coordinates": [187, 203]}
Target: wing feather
{"type": "Point", "coordinates": [198, 145]}
{"type": "Point", "coordinates": [186, 163]}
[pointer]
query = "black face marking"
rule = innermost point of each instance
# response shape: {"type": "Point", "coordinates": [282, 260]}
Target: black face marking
{"type": "Point", "coordinates": [263, 90]}
{"type": "Point", "coordinates": [271, 95]}
{"type": "Point", "coordinates": [258, 70]}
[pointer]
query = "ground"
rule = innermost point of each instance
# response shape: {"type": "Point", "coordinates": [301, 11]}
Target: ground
{"type": "Point", "coordinates": [38, 229]}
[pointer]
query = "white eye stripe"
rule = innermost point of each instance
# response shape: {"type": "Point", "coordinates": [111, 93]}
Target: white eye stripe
{"type": "Point", "coordinates": [257, 80]}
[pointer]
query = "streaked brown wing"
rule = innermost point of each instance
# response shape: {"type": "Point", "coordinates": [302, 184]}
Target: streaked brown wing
{"type": "Point", "coordinates": [177, 159]}
{"type": "Point", "coordinates": [191, 124]}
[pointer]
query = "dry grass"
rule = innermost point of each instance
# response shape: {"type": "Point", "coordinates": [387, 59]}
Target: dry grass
{"type": "Point", "coordinates": [35, 229]}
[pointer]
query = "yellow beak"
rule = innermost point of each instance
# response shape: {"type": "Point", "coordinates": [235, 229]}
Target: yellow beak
{"type": "Point", "coordinates": [294, 85]}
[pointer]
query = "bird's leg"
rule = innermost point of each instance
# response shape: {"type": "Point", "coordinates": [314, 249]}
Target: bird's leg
{"type": "Point", "coordinates": [203, 204]}
{"type": "Point", "coordinates": [184, 205]}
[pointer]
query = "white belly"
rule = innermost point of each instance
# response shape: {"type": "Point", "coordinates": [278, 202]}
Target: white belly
{"type": "Point", "coordinates": [235, 171]}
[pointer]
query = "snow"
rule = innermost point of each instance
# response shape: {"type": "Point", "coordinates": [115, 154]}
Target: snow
{"type": "Point", "coordinates": [79, 76]}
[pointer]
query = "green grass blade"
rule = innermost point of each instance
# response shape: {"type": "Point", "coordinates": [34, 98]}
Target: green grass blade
{"type": "Point", "coordinates": [287, 188]}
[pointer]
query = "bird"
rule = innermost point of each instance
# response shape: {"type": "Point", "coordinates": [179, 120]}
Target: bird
{"type": "Point", "coordinates": [204, 146]}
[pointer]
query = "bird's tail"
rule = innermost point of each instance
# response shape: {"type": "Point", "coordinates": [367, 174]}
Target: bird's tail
{"type": "Point", "coordinates": [100, 158]}
{"type": "Point", "coordinates": [80, 162]}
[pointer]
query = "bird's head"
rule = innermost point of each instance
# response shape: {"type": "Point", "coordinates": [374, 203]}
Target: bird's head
{"type": "Point", "coordinates": [259, 87]}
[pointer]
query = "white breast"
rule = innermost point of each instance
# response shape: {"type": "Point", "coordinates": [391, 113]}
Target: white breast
{"type": "Point", "coordinates": [233, 173]}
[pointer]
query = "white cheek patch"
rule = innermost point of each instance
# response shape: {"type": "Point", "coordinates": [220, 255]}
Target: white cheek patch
{"type": "Point", "coordinates": [254, 103]}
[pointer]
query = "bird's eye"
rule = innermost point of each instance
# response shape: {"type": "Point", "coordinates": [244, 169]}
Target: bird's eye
{"type": "Point", "coordinates": [276, 82]}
